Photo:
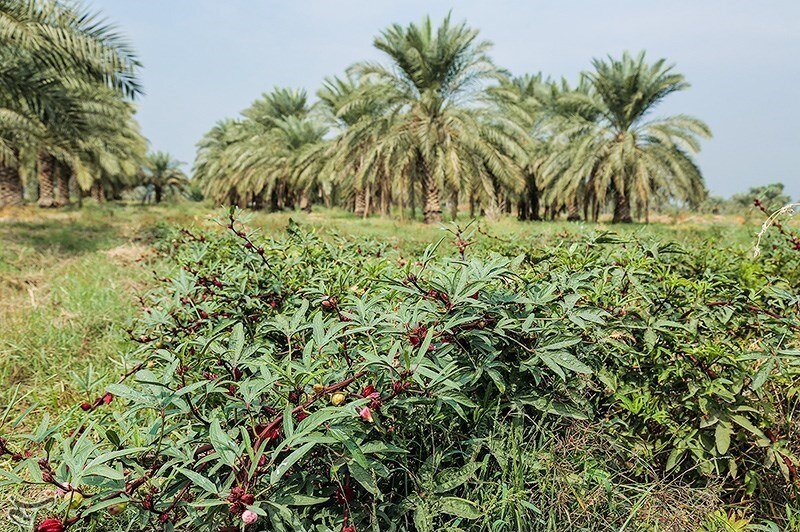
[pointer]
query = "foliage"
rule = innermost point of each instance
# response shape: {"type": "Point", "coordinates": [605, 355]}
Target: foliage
{"type": "Point", "coordinates": [161, 173]}
{"type": "Point", "coordinates": [64, 100]}
{"type": "Point", "coordinates": [439, 121]}
{"type": "Point", "coordinates": [613, 146]}
{"type": "Point", "coordinates": [771, 196]}
{"type": "Point", "coordinates": [329, 384]}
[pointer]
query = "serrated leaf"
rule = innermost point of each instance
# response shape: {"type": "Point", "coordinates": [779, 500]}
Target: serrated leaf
{"type": "Point", "coordinates": [459, 507]}
{"type": "Point", "coordinates": [453, 477]}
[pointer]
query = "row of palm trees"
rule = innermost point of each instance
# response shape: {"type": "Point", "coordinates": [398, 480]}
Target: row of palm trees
{"type": "Point", "coordinates": [439, 124]}
{"type": "Point", "coordinates": [67, 82]}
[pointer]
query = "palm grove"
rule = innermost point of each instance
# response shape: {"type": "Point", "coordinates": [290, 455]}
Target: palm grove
{"type": "Point", "coordinates": [67, 126]}
{"type": "Point", "coordinates": [438, 124]}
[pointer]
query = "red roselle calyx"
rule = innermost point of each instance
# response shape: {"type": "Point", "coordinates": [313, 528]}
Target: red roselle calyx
{"type": "Point", "coordinates": [239, 499]}
{"type": "Point", "coordinates": [400, 386]}
{"type": "Point", "coordinates": [344, 494]}
{"type": "Point", "coordinates": [417, 334]}
{"type": "Point", "coordinates": [369, 391]}
{"type": "Point", "coordinates": [51, 525]}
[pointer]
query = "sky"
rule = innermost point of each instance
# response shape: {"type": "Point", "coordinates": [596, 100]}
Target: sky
{"type": "Point", "coordinates": [205, 60]}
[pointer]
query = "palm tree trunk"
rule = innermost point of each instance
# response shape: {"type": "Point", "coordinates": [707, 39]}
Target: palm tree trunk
{"type": "Point", "coordinates": [452, 204]}
{"type": "Point", "coordinates": [385, 198]}
{"type": "Point", "coordinates": [10, 186]}
{"type": "Point", "coordinates": [522, 209]}
{"type": "Point", "coordinates": [573, 210]}
{"type": "Point", "coordinates": [532, 192]}
{"type": "Point", "coordinates": [360, 203]}
{"type": "Point", "coordinates": [367, 200]}
{"type": "Point", "coordinates": [98, 193]}
{"type": "Point", "coordinates": [305, 201]}
{"type": "Point", "coordinates": [401, 204]}
{"type": "Point", "coordinates": [62, 185]}
{"type": "Point", "coordinates": [45, 169]}
{"type": "Point", "coordinates": [432, 210]}
{"type": "Point", "coordinates": [76, 190]}
{"type": "Point", "coordinates": [159, 192]}
{"type": "Point", "coordinates": [472, 204]}
{"type": "Point", "coordinates": [412, 200]}
{"type": "Point", "coordinates": [622, 208]}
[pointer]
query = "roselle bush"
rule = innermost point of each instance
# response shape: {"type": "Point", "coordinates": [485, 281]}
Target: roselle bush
{"type": "Point", "coordinates": [307, 382]}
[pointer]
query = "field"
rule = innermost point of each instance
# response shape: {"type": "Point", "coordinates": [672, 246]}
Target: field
{"type": "Point", "coordinates": [72, 283]}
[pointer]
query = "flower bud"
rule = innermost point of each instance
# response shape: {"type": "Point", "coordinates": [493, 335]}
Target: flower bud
{"type": "Point", "coordinates": [75, 499]}
{"type": "Point", "coordinates": [117, 509]}
{"type": "Point", "coordinates": [337, 398]}
{"type": "Point", "coordinates": [249, 517]}
{"type": "Point", "coordinates": [366, 414]}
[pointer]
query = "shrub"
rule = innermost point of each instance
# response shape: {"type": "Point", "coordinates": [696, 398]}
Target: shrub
{"type": "Point", "coordinates": [303, 383]}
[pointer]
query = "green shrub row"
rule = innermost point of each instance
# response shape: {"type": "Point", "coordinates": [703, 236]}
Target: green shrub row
{"type": "Point", "coordinates": [329, 384]}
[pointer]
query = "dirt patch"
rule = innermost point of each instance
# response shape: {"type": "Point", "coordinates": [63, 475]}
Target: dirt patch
{"type": "Point", "coordinates": [128, 254]}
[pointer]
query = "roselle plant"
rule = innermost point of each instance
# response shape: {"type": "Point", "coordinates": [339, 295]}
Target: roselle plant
{"type": "Point", "coordinates": [321, 383]}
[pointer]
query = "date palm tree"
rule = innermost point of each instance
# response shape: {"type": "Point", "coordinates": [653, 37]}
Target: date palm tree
{"type": "Point", "coordinates": [527, 102]}
{"type": "Point", "coordinates": [433, 81]}
{"type": "Point", "coordinates": [162, 173]}
{"type": "Point", "coordinates": [262, 155]}
{"type": "Point", "coordinates": [213, 161]}
{"type": "Point", "coordinates": [627, 155]}
{"type": "Point", "coordinates": [52, 56]}
{"type": "Point", "coordinates": [352, 109]}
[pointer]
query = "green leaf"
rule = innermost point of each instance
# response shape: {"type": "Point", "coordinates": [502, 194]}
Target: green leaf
{"type": "Point", "coordinates": [223, 444]}
{"type": "Point", "coordinates": [104, 471]}
{"type": "Point", "coordinates": [365, 477]}
{"type": "Point", "coordinates": [561, 344]}
{"type": "Point", "coordinates": [554, 366]}
{"type": "Point", "coordinates": [423, 520]}
{"type": "Point", "coordinates": [453, 477]}
{"type": "Point", "coordinates": [747, 425]}
{"type": "Point", "coordinates": [762, 374]}
{"type": "Point", "coordinates": [459, 507]}
{"type": "Point", "coordinates": [674, 458]}
{"type": "Point", "coordinates": [198, 480]}
{"type": "Point", "coordinates": [289, 461]}
{"type": "Point", "coordinates": [722, 436]}
{"type": "Point", "coordinates": [296, 499]}
{"type": "Point", "coordinates": [569, 361]}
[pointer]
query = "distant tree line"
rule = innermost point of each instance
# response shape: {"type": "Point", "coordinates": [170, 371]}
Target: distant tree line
{"type": "Point", "coordinates": [438, 125]}
{"type": "Point", "coordinates": [772, 196]}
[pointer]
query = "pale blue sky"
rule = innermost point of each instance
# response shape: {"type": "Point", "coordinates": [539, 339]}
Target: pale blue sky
{"type": "Point", "coordinates": [208, 59]}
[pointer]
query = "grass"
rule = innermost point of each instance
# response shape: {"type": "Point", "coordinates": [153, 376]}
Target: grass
{"type": "Point", "coordinates": [69, 280]}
